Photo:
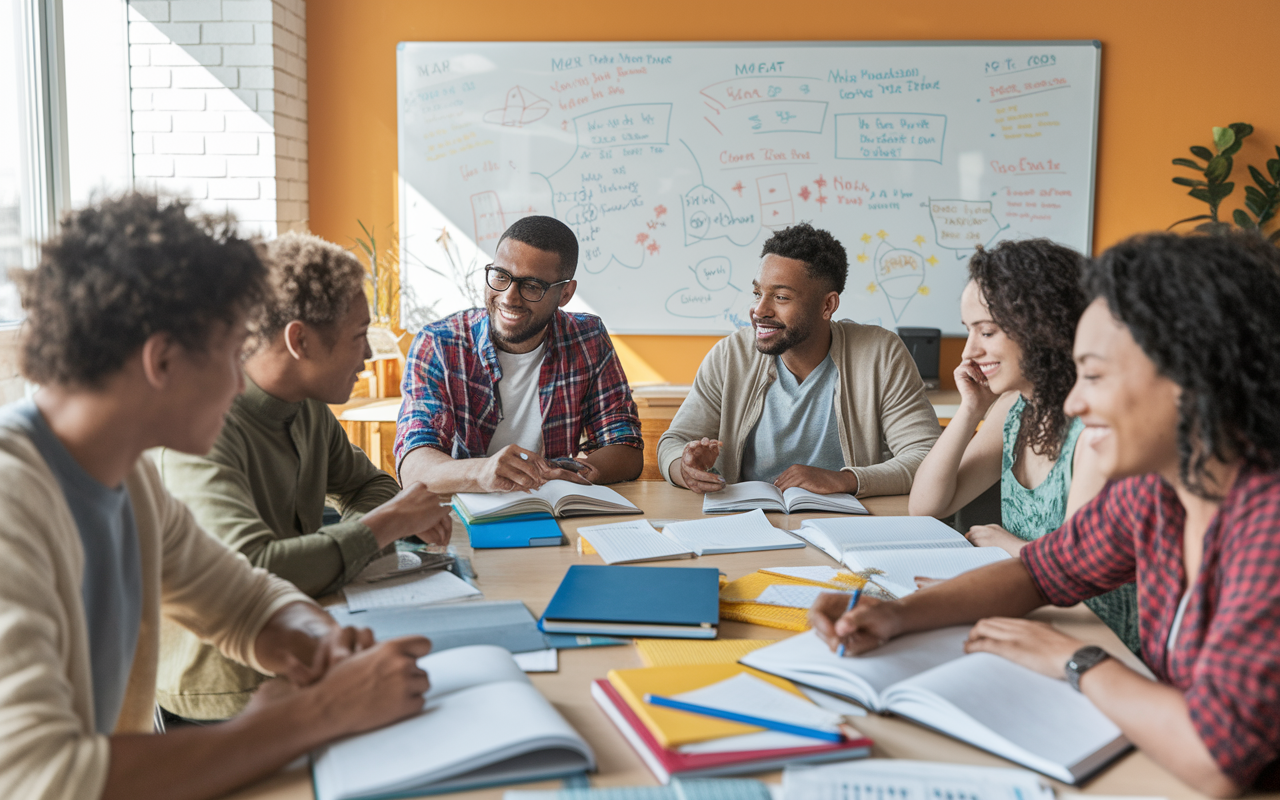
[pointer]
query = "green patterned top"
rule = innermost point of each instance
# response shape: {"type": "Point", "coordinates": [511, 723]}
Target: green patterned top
{"type": "Point", "coordinates": [1031, 513]}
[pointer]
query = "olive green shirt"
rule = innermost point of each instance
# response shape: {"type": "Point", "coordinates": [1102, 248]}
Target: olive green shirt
{"type": "Point", "coordinates": [262, 490]}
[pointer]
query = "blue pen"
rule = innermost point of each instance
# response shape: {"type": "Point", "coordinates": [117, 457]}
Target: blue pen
{"type": "Point", "coordinates": [853, 601]}
{"type": "Point", "coordinates": [746, 719]}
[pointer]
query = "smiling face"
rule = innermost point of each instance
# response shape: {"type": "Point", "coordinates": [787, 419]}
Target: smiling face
{"type": "Point", "coordinates": [516, 324]}
{"type": "Point", "coordinates": [998, 357]}
{"type": "Point", "coordinates": [789, 304]}
{"type": "Point", "coordinates": [1130, 411]}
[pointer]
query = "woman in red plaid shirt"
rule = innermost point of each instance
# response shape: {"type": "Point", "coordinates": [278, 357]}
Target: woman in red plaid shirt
{"type": "Point", "coordinates": [1178, 383]}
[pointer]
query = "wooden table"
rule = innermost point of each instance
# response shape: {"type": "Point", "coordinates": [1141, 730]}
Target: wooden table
{"type": "Point", "coordinates": [532, 575]}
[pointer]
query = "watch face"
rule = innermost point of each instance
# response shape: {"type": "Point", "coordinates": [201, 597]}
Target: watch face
{"type": "Point", "coordinates": [1082, 660]}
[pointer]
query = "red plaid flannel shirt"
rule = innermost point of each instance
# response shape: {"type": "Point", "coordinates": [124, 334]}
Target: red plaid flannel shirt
{"type": "Point", "coordinates": [449, 403]}
{"type": "Point", "coordinates": [1226, 659]}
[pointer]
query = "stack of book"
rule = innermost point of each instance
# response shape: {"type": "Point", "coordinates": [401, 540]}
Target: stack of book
{"type": "Point", "coordinates": [648, 706]}
{"type": "Point", "coordinates": [527, 519]}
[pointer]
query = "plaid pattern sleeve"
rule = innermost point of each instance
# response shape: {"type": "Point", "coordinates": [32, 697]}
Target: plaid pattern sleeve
{"type": "Point", "coordinates": [426, 416]}
{"type": "Point", "coordinates": [609, 415]}
{"type": "Point", "coordinates": [1227, 656]}
{"type": "Point", "coordinates": [1093, 552]}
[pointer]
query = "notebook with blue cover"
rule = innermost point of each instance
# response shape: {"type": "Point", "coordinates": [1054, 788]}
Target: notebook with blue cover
{"type": "Point", "coordinates": [522, 530]}
{"type": "Point", "coordinates": [671, 602]}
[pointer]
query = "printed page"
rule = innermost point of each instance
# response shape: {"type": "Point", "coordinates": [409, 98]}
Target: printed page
{"type": "Point", "coordinates": [739, 533]}
{"type": "Point", "coordinates": [634, 540]}
{"type": "Point", "coordinates": [796, 497]}
{"type": "Point", "coordinates": [486, 504]}
{"type": "Point", "coordinates": [901, 567]}
{"type": "Point", "coordinates": [412, 590]}
{"type": "Point", "coordinates": [566, 496]}
{"type": "Point", "coordinates": [889, 533]}
{"type": "Point", "coordinates": [744, 495]}
{"type": "Point", "coordinates": [792, 596]}
{"type": "Point", "coordinates": [911, 780]}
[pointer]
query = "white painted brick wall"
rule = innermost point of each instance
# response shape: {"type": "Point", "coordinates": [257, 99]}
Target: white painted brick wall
{"type": "Point", "coordinates": [219, 101]}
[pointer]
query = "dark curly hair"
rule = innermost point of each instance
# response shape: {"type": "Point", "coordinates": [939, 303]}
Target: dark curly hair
{"type": "Point", "coordinates": [308, 279]}
{"type": "Point", "coordinates": [121, 270]}
{"type": "Point", "coordinates": [821, 252]}
{"type": "Point", "coordinates": [548, 234]}
{"type": "Point", "coordinates": [1032, 288]}
{"type": "Point", "coordinates": [1206, 311]}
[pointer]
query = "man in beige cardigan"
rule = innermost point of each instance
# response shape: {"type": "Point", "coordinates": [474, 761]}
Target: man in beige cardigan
{"type": "Point", "coordinates": [798, 399]}
{"type": "Point", "coordinates": [134, 330]}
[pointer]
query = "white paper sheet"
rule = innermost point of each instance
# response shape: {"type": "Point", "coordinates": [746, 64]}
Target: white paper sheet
{"type": "Point", "coordinates": [740, 533]}
{"type": "Point", "coordinates": [411, 590]}
{"type": "Point", "coordinates": [538, 661]}
{"type": "Point", "coordinates": [633, 540]}
{"type": "Point", "coordinates": [911, 780]}
{"type": "Point", "coordinates": [746, 694]}
{"type": "Point", "coordinates": [790, 596]}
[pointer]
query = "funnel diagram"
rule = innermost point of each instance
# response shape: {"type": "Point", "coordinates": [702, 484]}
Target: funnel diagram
{"type": "Point", "coordinates": [520, 107]}
{"type": "Point", "coordinates": [961, 225]}
{"type": "Point", "coordinates": [900, 275]}
{"type": "Point", "coordinates": [712, 296]}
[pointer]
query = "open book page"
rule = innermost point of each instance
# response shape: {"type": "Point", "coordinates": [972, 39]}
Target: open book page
{"type": "Point", "coordinates": [789, 595]}
{"type": "Point", "coordinates": [797, 499]}
{"type": "Point", "coordinates": [481, 505]}
{"type": "Point", "coordinates": [569, 498]}
{"type": "Point", "coordinates": [740, 533]}
{"type": "Point", "coordinates": [744, 496]}
{"type": "Point", "coordinates": [411, 590]}
{"type": "Point", "coordinates": [468, 722]}
{"type": "Point", "coordinates": [804, 658]}
{"type": "Point", "coordinates": [1007, 709]}
{"type": "Point", "coordinates": [839, 536]}
{"type": "Point", "coordinates": [634, 540]}
{"type": "Point", "coordinates": [911, 780]}
{"type": "Point", "coordinates": [901, 567]}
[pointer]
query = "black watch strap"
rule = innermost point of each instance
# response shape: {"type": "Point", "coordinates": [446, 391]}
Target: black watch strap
{"type": "Point", "coordinates": [1081, 661]}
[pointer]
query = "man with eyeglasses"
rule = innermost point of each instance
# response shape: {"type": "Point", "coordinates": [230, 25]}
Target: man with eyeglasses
{"type": "Point", "coordinates": [508, 397]}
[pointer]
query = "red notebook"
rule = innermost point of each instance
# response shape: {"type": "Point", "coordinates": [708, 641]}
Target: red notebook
{"type": "Point", "coordinates": [664, 763]}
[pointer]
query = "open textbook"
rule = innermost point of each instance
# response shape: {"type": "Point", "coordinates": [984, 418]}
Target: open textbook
{"type": "Point", "coordinates": [895, 550]}
{"type": "Point", "coordinates": [750, 495]}
{"type": "Point", "coordinates": [637, 540]}
{"type": "Point", "coordinates": [987, 701]}
{"type": "Point", "coordinates": [560, 498]}
{"type": "Point", "coordinates": [482, 724]}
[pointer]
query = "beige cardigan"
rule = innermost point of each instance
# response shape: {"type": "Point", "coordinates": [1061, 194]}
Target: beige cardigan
{"type": "Point", "coordinates": [886, 422]}
{"type": "Point", "coordinates": [49, 747]}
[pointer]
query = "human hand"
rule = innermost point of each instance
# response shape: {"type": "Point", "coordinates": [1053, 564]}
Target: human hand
{"type": "Point", "coordinates": [868, 625]}
{"type": "Point", "coordinates": [695, 462]}
{"type": "Point", "coordinates": [995, 536]}
{"type": "Point", "coordinates": [818, 480]}
{"type": "Point", "coordinates": [511, 469]}
{"type": "Point", "coordinates": [373, 688]}
{"type": "Point", "coordinates": [415, 511]}
{"type": "Point", "coordinates": [1034, 645]}
{"type": "Point", "coordinates": [974, 391]}
{"type": "Point", "coordinates": [301, 642]}
{"type": "Point", "coordinates": [574, 470]}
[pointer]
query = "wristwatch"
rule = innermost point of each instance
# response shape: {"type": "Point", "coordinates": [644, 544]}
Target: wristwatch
{"type": "Point", "coordinates": [1081, 661]}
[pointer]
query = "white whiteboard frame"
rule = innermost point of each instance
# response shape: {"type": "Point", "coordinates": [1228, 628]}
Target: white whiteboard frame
{"type": "Point", "coordinates": [1093, 144]}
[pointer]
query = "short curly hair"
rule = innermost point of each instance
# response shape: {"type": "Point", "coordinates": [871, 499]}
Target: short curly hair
{"type": "Point", "coordinates": [121, 270]}
{"type": "Point", "coordinates": [1204, 309]}
{"type": "Point", "coordinates": [821, 252]}
{"type": "Point", "coordinates": [308, 279]}
{"type": "Point", "coordinates": [550, 235]}
{"type": "Point", "coordinates": [1032, 289]}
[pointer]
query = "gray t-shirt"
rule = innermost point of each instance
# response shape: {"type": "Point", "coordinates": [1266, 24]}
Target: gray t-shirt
{"type": "Point", "coordinates": [111, 587]}
{"type": "Point", "coordinates": [797, 425]}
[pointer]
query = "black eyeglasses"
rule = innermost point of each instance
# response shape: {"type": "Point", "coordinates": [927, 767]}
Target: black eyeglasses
{"type": "Point", "coordinates": [531, 289]}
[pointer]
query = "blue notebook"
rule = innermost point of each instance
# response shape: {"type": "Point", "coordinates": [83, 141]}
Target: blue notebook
{"type": "Point", "coordinates": [672, 602]}
{"type": "Point", "coordinates": [522, 530]}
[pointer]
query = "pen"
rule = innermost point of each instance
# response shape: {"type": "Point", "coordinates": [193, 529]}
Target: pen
{"type": "Point", "coordinates": [746, 719]}
{"type": "Point", "coordinates": [853, 601]}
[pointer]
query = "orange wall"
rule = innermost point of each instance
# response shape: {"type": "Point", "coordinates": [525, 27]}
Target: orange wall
{"type": "Point", "coordinates": [1160, 93]}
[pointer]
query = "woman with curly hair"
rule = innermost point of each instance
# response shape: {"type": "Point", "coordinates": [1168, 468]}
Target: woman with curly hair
{"type": "Point", "coordinates": [1021, 307]}
{"type": "Point", "coordinates": [1178, 385]}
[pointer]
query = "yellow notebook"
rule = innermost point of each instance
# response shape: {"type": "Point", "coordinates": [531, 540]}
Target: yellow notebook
{"type": "Point", "coordinates": [788, 619]}
{"type": "Point", "coordinates": [688, 652]}
{"type": "Point", "coordinates": [673, 728]}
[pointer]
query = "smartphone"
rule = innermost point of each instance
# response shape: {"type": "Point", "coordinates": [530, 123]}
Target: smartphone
{"type": "Point", "coordinates": [566, 463]}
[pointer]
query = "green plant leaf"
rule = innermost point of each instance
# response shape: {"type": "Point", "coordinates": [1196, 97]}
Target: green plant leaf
{"type": "Point", "coordinates": [1189, 182]}
{"type": "Point", "coordinates": [1221, 191]}
{"type": "Point", "coordinates": [1273, 166]}
{"type": "Point", "coordinates": [1203, 153]}
{"type": "Point", "coordinates": [1258, 178]}
{"type": "Point", "coordinates": [1223, 138]}
{"type": "Point", "coordinates": [1241, 130]}
{"type": "Point", "coordinates": [1219, 169]}
{"type": "Point", "coordinates": [1201, 195]}
{"type": "Point", "coordinates": [1188, 219]}
{"type": "Point", "coordinates": [1242, 219]}
{"type": "Point", "coordinates": [1186, 162]}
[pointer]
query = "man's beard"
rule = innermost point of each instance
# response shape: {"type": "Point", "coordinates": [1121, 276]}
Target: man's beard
{"type": "Point", "coordinates": [787, 337]}
{"type": "Point", "coordinates": [526, 330]}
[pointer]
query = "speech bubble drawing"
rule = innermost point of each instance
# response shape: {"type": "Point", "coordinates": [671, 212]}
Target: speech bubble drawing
{"type": "Point", "coordinates": [890, 136]}
{"type": "Point", "coordinates": [622, 126]}
{"type": "Point", "coordinates": [960, 225]}
{"type": "Point", "coordinates": [899, 274]}
{"type": "Point", "coordinates": [713, 273]}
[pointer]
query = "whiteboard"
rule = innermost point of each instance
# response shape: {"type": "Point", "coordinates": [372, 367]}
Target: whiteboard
{"type": "Point", "coordinates": [674, 162]}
